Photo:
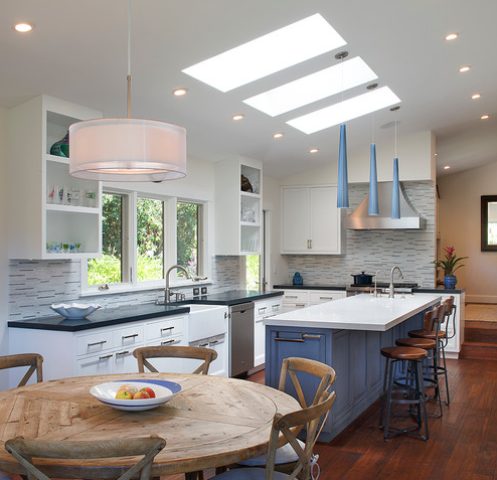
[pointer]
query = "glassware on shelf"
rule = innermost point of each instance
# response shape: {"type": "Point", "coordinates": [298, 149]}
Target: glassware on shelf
{"type": "Point", "coordinates": [90, 199]}
{"type": "Point", "coordinates": [51, 194]}
{"type": "Point", "coordinates": [61, 148]}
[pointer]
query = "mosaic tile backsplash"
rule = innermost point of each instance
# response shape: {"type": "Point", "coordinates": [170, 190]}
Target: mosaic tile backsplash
{"type": "Point", "coordinates": [378, 250]}
{"type": "Point", "coordinates": [35, 285]}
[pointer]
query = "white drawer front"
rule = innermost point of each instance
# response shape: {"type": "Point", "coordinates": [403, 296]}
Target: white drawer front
{"type": "Point", "coordinates": [164, 328]}
{"type": "Point", "coordinates": [128, 337]}
{"type": "Point", "coordinates": [94, 343]}
{"type": "Point", "coordinates": [96, 365]}
{"type": "Point", "coordinates": [295, 296]}
{"type": "Point", "coordinates": [325, 296]}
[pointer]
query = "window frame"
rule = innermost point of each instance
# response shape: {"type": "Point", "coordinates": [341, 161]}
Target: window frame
{"type": "Point", "coordinates": [129, 242]}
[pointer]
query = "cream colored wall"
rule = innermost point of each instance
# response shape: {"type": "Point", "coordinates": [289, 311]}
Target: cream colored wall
{"type": "Point", "coordinates": [459, 226]}
{"type": "Point", "coordinates": [416, 162]}
{"type": "Point", "coordinates": [3, 239]}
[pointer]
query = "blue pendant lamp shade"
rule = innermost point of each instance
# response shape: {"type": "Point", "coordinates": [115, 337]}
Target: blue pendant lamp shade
{"type": "Point", "coordinates": [396, 190]}
{"type": "Point", "coordinates": [373, 208]}
{"type": "Point", "coordinates": [343, 181]}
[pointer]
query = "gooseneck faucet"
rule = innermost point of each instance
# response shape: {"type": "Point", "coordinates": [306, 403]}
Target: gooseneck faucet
{"type": "Point", "coordinates": [167, 291]}
{"type": "Point", "coordinates": [391, 288]}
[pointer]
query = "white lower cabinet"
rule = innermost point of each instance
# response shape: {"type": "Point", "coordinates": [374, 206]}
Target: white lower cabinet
{"type": "Point", "coordinates": [97, 351]}
{"type": "Point", "coordinates": [262, 310]}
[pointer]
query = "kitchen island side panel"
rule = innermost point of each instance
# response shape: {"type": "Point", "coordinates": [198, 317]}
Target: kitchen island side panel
{"type": "Point", "coordinates": [354, 355]}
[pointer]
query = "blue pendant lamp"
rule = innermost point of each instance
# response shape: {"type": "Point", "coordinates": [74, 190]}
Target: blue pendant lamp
{"type": "Point", "coordinates": [396, 183]}
{"type": "Point", "coordinates": [373, 208]}
{"type": "Point", "coordinates": [343, 181]}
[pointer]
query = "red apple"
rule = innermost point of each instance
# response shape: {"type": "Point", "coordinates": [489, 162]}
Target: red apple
{"type": "Point", "coordinates": [140, 395]}
{"type": "Point", "coordinates": [150, 392]}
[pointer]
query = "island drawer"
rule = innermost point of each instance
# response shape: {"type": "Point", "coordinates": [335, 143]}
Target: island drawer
{"type": "Point", "coordinates": [94, 343]}
{"type": "Point", "coordinates": [128, 337]}
{"type": "Point", "coordinates": [325, 296]}
{"type": "Point", "coordinates": [295, 297]}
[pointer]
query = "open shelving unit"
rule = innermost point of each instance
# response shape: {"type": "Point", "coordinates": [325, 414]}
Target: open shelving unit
{"type": "Point", "coordinates": [56, 216]}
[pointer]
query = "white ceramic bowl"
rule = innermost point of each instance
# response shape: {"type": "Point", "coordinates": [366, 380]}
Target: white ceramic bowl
{"type": "Point", "coordinates": [164, 391]}
{"type": "Point", "coordinates": [74, 311]}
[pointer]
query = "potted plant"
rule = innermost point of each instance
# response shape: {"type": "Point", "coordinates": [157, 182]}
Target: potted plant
{"type": "Point", "coordinates": [449, 265]}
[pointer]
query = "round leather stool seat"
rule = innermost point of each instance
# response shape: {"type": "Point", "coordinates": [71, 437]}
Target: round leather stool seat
{"type": "Point", "coordinates": [431, 334]}
{"type": "Point", "coordinates": [404, 353]}
{"type": "Point", "coordinates": [425, 343]}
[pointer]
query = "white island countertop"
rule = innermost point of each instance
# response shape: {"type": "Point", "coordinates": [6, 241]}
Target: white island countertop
{"type": "Point", "coordinates": [360, 312]}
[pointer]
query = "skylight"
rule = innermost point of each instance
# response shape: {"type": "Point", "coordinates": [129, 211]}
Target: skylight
{"type": "Point", "coordinates": [270, 53]}
{"type": "Point", "coordinates": [313, 87]}
{"type": "Point", "coordinates": [343, 111]}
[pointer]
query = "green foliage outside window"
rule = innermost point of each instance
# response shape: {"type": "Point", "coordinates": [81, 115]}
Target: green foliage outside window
{"type": "Point", "coordinates": [187, 236]}
{"type": "Point", "coordinates": [150, 239]}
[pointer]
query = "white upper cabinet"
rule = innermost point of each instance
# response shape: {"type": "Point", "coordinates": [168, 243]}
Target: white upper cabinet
{"type": "Point", "coordinates": [238, 207]}
{"type": "Point", "coordinates": [51, 214]}
{"type": "Point", "coordinates": [311, 222]}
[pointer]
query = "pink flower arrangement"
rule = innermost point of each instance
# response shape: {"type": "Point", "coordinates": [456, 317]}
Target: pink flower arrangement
{"type": "Point", "coordinates": [451, 262]}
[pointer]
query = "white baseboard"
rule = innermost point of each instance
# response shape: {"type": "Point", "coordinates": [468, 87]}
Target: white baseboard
{"type": "Point", "coordinates": [452, 355]}
{"type": "Point", "coordinates": [481, 298]}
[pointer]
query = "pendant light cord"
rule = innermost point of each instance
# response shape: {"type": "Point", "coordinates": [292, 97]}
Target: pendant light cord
{"type": "Point", "coordinates": [128, 77]}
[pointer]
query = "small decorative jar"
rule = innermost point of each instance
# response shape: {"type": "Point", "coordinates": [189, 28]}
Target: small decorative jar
{"type": "Point", "coordinates": [297, 279]}
{"type": "Point", "coordinates": [450, 281]}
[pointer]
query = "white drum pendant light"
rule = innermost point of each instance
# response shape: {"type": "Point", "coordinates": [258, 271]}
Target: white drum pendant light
{"type": "Point", "coordinates": [127, 149]}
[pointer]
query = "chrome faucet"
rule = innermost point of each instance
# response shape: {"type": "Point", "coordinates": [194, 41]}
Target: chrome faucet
{"type": "Point", "coordinates": [390, 288]}
{"type": "Point", "coordinates": [167, 291]}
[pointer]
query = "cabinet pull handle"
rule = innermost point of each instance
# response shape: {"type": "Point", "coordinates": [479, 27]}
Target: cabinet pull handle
{"type": "Point", "coordinates": [291, 296]}
{"type": "Point", "coordinates": [262, 309]}
{"type": "Point", "coordinates": [96, 343]}
{"type": "Point", "coordinates": [165, 329]}
{"type": "Point", "coordinates": [125, 337]}
{"type": "Point", "coordinates": [310, 336]}
{"type": "Point", "coordinates": [105, 357]}
{"type": "Point", "coordinates": [293, 340]}
{"type": "Point", "coordinates": [168, 342]}
{"type": "Point", "coordinates": [310, 244]}
{"type": "Point", "coordinates": [203, 344]}
{"type": "Point", "coordinates": [275, 306]}
{"type": "Point", "coordinates": [122, 353]}
{"type": "Point", "coordinates": [300, 304]}
{"type": "Point", "coordinates": [214, 342]}
{"type": "Point", "coordinates": [325, 298]}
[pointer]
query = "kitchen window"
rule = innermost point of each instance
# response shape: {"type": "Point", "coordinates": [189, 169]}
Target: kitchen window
{"type": "Point", "coordinates": [141, 236]}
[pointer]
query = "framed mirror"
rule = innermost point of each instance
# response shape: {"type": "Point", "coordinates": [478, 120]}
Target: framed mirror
{"type": "Point", "coordinates": [489, 223]}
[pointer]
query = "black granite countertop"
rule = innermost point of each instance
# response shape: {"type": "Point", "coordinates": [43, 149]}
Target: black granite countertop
{"type": "Point", "coordinates": [438, 290]}
{"type": "Point", "coordinates": [132, 313]}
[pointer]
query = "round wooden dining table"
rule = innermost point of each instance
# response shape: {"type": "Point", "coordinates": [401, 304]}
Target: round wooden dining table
{"type": "Point", "coordinates": [211, 422]}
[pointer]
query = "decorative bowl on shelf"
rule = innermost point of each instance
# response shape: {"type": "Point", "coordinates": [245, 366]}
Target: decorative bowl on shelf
{"type": "Point", "coordinates": [74, 311]}
{"type": "Point", "coordinates": [163, 390]}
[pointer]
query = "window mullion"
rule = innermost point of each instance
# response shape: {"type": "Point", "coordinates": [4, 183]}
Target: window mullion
{"type": "Point", "coordinates": [170, 245]}
{"type": "Point", "coordinates": [130, 248]}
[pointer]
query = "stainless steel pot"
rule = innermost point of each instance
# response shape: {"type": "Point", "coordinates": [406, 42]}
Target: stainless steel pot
{"type": "Point", "coordinates": [363, 279]}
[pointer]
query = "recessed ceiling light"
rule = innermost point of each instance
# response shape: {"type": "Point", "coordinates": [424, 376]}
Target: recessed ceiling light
{"type": "Point", "coordinates": [313, 87]}
{"type": "Point", "coordinates": [238, 117]}
{"type": "Point", "coordinates": [314, 150]}
{"type": "Point", "coordinates": [179, 92]}
{"type": "Point", "coordinates": [344, 111]}
{"type": "Point", "coordinates": [436, 154]}
{"type": "Point", "coordinates": [485, 117]}
{"type": "Point", "coordinates": [451, 36]}
{"type": "Point", "coordinates": [278, 135]}
{"type": "Point", "coordinates": [475, 96]}
{"type": "Point", "coordinates": [464, 68]}
{"type": "Point", "coordinates": [447, 167]}
{"type": "Point", "coordinates": [23, 27]}
{"type": "Point", "coordinates": [270, 53]}
{"type": "Point", "coordinates": [394, 109]}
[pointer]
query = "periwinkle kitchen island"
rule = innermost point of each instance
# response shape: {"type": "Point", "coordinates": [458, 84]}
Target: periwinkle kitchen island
{"type": "Point", "coordinates": [347, 334]}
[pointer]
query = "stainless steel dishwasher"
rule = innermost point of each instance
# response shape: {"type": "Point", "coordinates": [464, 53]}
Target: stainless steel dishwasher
{"type": "Point", "coordinates": [241, 331]}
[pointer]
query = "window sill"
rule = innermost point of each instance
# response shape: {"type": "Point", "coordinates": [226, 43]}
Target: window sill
{"type": "Point", "coordinates": [128, 288]}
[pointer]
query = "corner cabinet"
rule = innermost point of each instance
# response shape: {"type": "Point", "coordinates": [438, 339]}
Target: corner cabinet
{"type": "Point", "coordinates": [311, 223]}
{"type": "Point", "coordinates": [238, 207]}
{"type": "Point", "coordinates": [51, 215]}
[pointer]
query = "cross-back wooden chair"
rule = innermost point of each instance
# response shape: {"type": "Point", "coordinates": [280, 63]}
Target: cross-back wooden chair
{"type": "Point", "coordinates": [311, 418]}
{"type": "Point", "coordinates": [32, 360]}
{"type": "Point", "coordinates": [285, 456]}
{"type": "Point", "coordinates": [25, 450]}
{"type": "Point", "coordinates": [207, 355]}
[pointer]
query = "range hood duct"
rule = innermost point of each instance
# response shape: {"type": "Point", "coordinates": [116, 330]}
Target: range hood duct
{"type": "Point", "coordinates": [409, 218]}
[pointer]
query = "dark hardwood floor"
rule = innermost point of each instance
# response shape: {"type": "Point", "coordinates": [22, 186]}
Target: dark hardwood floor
{"type": "Point", "coordinates": [462, 444]}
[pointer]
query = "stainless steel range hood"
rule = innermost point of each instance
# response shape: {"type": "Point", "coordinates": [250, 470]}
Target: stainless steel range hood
{"type": "Point", "coordinates": [409, 218]}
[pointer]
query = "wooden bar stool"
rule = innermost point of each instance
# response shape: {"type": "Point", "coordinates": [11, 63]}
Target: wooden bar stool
{"type": "Point", "coordinates": [432, 329]}
{"type": "Point", "coordinates": [412, 391]}
{"type": "Point", "coordinates": [432, 379]}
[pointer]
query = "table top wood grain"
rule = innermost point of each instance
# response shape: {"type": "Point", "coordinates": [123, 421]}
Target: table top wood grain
{"type": "Point", "coordinates": [212, 422]}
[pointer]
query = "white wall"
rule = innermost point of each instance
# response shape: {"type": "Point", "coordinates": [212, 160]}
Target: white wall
{"type": "Point", "coordinates": [459, 226]}
{"type": "Point", "coordinates": [416, 162]}
{"type": "Point", "coordinates": [3, 239]}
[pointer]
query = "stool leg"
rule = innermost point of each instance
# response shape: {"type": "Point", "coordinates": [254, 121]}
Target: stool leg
{"type": "Point", "coordinates": [446, 373]}
{"type": "Point", "coordinates": [388, 410]}
{"type": "Point", "coordinates": [421, 397]}
{"type": "Point", "coordinates": [384, 394]}
{"type": "Point", "coordinates": [438, 396]}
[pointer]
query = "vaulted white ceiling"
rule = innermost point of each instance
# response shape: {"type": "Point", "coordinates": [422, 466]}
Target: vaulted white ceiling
{"type": "Point", "coordinates": [77, 52]}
